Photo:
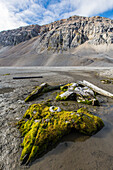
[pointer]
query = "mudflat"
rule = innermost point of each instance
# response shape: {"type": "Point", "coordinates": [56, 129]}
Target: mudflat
{"type": "Point", "coordinates": [75, 151]}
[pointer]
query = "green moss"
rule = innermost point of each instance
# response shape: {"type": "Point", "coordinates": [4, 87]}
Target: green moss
{"type": "Point", "coordinates": [58, 97]}
{"type": "Point", "coordinates": [66, 96]}
{"type": "Point", "coordinates": [89, 102]}
{"type": "Point", "coordinates": [44, 128]}
{"type": "Point", "coordinates": [65, 87]}
{"type": "Point", "coordinates": [92, 123]}
{"type": "Point", "coordinates": [106, 81]}
{"type": "Point", "coordinates": [7, 74]}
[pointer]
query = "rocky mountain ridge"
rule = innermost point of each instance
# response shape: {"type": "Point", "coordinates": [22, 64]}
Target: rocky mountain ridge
{"type": "Point", "coordinates": [76, 41]}
{"type": "Point", "coordinates": [63, 34]}
{"type": "Point", "coordinates": [16, 36]}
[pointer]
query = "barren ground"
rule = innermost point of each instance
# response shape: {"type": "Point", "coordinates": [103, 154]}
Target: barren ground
{"type": "Point", "coordinates": [75, 151]}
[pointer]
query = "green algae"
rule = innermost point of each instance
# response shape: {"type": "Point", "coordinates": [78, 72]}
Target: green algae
{"type": "Point", "coordinates": [65, 87]}
{"type": "Point", "coordinates": [41, 128]}
{"type": "Point", "coordinates": [7, 74]}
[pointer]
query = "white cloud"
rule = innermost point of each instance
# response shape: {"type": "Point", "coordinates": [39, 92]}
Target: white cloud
{"type": "Point", "coordinates": [8, 19]}
{"type": "Point", "coordinates": [82, 7]}
{"type": "Point", "coordinates": [15, 13]}
{"type": "Point", "coordinates": [93, 7]}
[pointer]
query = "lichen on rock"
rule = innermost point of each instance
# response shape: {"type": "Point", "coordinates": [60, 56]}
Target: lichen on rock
{"type": "Point", "coordinates": [42, 127]}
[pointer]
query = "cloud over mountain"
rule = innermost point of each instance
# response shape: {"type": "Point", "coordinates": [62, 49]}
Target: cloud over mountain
{"type": "Point", "coordinates": [24, 12]}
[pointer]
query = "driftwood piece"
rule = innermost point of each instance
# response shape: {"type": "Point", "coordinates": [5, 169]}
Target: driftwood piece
{"type": "Point", "coordinates": [96, 89]}
{"type": "Point", "coordinates": [28, 77]}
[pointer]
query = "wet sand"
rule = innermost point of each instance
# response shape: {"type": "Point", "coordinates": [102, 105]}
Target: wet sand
{"type": "Point", "coordinates": [75, 152]}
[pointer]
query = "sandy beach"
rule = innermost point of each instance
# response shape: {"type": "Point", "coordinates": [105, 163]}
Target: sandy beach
{"type": "Point", "coordinates": [74, 152]}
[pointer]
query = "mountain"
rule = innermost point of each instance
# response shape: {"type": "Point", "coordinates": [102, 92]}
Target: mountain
{"type": "Point", "coordinates": [74, 41]}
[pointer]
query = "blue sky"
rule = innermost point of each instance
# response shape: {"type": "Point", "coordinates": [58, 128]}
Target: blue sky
{"type": "Point", "coordinates": [16, 13]}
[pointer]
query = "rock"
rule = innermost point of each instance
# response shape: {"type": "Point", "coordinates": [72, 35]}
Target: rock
{"type": "Point", "coordinates": [45, 128]}
{"type": "Point", "coordinates": [62, 35]}
{"type": "Point", "coordinates": [16, 36]}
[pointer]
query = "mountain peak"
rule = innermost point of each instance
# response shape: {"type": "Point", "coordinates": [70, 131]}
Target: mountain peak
{"type": "Point", "coordinates": [78, 30]}
{"type": "Point", "coordinates": [56, 37]}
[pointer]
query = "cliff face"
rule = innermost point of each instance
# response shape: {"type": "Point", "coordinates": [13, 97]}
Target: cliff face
{"type": "Point", "coordinates": [68, 42]}
{"type": "Point", "coordinates": [16, 36]}
{"type": "Point", "coordinates": [76, 30]}
{"type": "Point", "coordinates": [63, 34]}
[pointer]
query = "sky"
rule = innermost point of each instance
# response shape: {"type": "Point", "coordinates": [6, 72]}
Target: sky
{"type": "Point", "coordinates": [16, 13]}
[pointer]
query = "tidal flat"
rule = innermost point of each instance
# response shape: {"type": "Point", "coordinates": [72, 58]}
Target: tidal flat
{"type": "Point", "coordinates": [75, 151]}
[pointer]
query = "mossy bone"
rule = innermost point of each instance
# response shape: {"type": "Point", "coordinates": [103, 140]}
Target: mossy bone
{"type": "Point", "coordinates": [41, 89]}
{"type": "Point", "coordinates": [42, 126]}
{"type": "Point", "coordinates": [73, 91]}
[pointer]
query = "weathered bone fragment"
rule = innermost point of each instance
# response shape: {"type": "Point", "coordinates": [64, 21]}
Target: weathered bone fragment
{"type": "Point", "coordinates": [96, 89]}
{"type": "Point", "coordinates": [43, 126]}
{"type": "Point", "coordinates": [43, 88]}
{"type": "Point", "coordinates": [73, 91]}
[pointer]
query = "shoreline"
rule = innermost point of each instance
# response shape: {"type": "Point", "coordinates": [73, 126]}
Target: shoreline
{"type": "Point", "coordinates": [93, 152]}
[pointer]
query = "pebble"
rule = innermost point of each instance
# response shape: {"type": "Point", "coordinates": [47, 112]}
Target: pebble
{"type": "Point", "coordinates": [67, 121]}
{"type": "Point", "coordinates": [37, 121]}
{"type": "Point", "coordinates": [47, 120]}
{"type": "Point", "coordinates": [51, 109]}
{"type": "Point", "coordinates": [77, 114]}
{"type": "Point", "coordinates": [34, 111]}
{"type": "Point", "coordinates": [20, 101]}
